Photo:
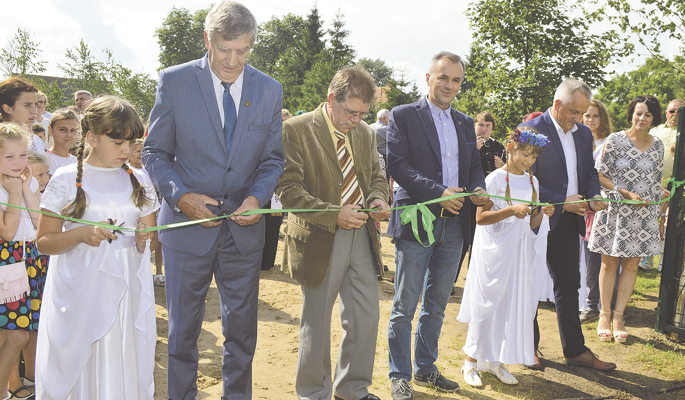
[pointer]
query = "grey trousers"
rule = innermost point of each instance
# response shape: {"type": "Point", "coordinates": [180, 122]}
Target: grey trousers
{"type": "Point", "coordinates": [352, 278]}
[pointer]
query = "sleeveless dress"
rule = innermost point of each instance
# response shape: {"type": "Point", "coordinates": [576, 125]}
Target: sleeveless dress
{"type": "Point", "coordinates": [623, 230]}
{"type": "Point", "coordinates": [504, 281]}
{"type": "Point", "coordinates": [98, 333]}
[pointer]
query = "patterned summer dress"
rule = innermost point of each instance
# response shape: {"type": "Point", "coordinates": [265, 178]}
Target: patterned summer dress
{"type": "Point", "coordinates": [624, 230]}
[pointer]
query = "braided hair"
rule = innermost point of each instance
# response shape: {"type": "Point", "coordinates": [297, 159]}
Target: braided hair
{"type": "Point", "coordinates": [117, 119]}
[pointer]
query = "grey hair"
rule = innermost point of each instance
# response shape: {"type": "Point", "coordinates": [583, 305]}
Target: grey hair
{"type": "Point", "coordinates": [78, 92]}
{"type": "Point", "coordinates": [232, 21]}
{"type": "Point", "coordinates": [671, 102]}
{"type": "Point", "coordinates": [450, 56]}
{"type": "Point", "coordinates": [382, 114]}
{"type": "Point", "coordinates": [353, 82]}
{"type": "Point", "coordinates": [568, 87]}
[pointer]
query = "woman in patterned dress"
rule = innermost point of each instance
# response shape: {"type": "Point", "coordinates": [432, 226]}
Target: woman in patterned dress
{"type": "Point", "coordinates": [630, 167]}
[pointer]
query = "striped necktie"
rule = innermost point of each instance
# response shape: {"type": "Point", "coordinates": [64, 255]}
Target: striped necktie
{"type": "Point", "coordinates": [350, 188]}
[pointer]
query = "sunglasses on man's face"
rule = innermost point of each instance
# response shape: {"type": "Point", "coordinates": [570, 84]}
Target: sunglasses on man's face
{"type": "Point", "coordinates": [673, 111]}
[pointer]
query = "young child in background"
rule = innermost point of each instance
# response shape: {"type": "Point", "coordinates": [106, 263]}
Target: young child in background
{"type": "Point", "coordinates": [19, 309]}
{"type": "Point", "coordinates": [136, 164]}
{"type": "Point", "coordinates": [509, 260]}
{"type": "Point", "coordinates": [64, 129]}
{"type": "Point", "coordinates": [98, 332]}
{"type": "Point", "coordinates": [39, 132]}
{"type": "Point", "coordinates": [40, 167]}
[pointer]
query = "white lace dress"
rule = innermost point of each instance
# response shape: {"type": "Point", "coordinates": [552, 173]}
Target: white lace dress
{"type": "Point", "coordinates": [97, 331]}
{"type": "Point", "coordinates": [504, 281]}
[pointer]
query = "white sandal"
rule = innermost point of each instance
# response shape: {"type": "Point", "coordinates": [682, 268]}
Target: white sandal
{"type": "Point", "coordinates": [159, 280]}
{"type": "Point", "coordinates": [604, 334]}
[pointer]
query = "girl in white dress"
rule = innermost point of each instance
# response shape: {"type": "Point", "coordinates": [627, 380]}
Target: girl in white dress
{"type": "Point", "coordinates": [97, 337]}
{"type": "Point", "coordinates": [508, 264]}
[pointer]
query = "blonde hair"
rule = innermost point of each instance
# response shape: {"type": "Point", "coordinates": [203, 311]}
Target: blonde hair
{"type": "Point", "coordinates": [38, 158]}
{"type": "Point", "coordinates": [10, 132]}
{"type": "Point", "coordinates": [117, 119]}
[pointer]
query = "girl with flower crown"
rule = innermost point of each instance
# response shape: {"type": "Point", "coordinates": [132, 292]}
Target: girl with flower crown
{"type": "Point", "coordinates": [509, 262]}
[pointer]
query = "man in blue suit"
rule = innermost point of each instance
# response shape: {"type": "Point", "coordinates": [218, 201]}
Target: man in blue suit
{"type": "Point", "coordinates": [432, 153]}
{"type": "Point", "coordinates": [566, 172]}
{"type": "Point", "coordinates": [215, 145]}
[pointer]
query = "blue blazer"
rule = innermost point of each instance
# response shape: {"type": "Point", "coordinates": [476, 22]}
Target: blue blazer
{"type": "Point", "coordinates": [550, 167]}
{"type": "Point", "coordinates": [415, 164]}
{"type": "Point", "coordinates": [185, 151]}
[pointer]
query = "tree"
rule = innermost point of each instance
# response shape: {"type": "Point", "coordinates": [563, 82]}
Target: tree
{"type": "Point", "coordinates": [276, 37]}
{"type": "Point", "coordinates": [108, 77]}
{"type": "Point", "coordinates": [181, 37]}
{"type": "Point", "coordinates": [528, 47]}
{"type": "Point", "coordinates": [654, 77]}
{"type": "Point", "coordinates": [21, 55]}
{"type": "Point", "coordinates": [85, 71]}
{"type": "Point", "coordinates": [340, 53]}
{"type": "Point", "coordinates": [649, 21]}
{"type": "Point", "coordinates": [381, 72]}
{"type": "Point", "coordinates": [399, 91]}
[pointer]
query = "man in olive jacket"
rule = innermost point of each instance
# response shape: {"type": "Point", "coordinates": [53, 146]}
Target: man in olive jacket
{"type": "Point", "coordinates": [335, 252]}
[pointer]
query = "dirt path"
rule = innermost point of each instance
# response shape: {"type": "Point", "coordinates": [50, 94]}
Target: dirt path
{"type": "Point", "coordinates": [280, 305]}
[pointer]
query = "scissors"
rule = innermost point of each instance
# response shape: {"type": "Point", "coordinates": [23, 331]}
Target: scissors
{"type": "Point", "coordinates": [116, 232]}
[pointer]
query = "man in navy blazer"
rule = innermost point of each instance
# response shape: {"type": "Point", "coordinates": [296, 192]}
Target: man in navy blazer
{"type": "Point", "coordinates": [432, 153]}
{"type": "Point", "coordinates": [566, 172]}
{"type": "Point", "coordinates": [215, 145]}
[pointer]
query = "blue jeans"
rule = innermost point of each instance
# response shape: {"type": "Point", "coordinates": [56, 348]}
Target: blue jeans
{"type": "Point", "coordinates": [432, 269]}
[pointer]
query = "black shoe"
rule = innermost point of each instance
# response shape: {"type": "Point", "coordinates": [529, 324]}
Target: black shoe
{"type": "Point", "coordinates": [401, 390]}
{"type": "Point", "coordinates": [436, 380]}
{"type": "Point", "coordinates": [589, 315]}
{"type": "Point", "coordinates": [367, 397]}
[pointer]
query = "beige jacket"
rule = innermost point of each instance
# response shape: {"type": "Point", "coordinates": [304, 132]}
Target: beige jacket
{"type": "Point", "coordinates": [312, 179]}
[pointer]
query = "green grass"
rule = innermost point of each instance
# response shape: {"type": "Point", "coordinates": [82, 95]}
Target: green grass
{"type": "Point", "coordinates": [669, 363]}
{"type": "Point", "coordinates": [647, 282]}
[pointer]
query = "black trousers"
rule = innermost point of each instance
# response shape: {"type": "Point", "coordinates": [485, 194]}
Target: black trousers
{"type": "Point", "coordinates": [563, 257]}
{"type": "Point", "coordinates": [272, 225]}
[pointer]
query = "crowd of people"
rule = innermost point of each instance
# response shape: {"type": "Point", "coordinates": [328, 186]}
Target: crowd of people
{"type": "Point", "coordinates": [77, 307]}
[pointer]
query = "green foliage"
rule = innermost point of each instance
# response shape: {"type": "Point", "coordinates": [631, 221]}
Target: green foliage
{"type": "Point", "coordinates": [276, 37]}
{"type": "Point", "coordinates": [293, 50]}
{"type": "Point", "coordinates": [399, 91]}
{"type": "Point", "coordinates": [181, 37]}
{"type": "Point", "coordinates": [21, 55]}
{"type": "Point", "coordinates": [381, 72]}
{"type": "Point", "coordinates": [107, 77]}
{"type": "Point", "coordinates": [525, 49]}
{"type": "Point", "coordinates": [654, 77]}
{"type": "Point", "coordinates": [649, 21]}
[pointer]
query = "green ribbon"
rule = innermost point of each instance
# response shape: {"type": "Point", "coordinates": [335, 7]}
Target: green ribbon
{"type": "Point", "coordinates": [410, 213]}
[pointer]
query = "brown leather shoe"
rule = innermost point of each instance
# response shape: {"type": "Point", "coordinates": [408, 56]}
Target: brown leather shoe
{"type": "Point", "coordinates": [538, 365]}
{"type": "Point", "coordinates": [590, 360]}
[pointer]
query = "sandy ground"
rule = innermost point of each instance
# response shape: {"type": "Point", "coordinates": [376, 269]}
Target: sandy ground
{"type": "Point", "coordinates": [280, 303]}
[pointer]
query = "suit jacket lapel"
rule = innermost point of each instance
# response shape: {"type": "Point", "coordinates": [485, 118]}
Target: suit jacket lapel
{"type": "Point", "coordinates": [429, 127]}
{"type": "Point", "coordinates": [554, 136]}
{"type": "Point", "coordinates": [245, 108]}
{"type": "Point", "coordinates": [204, 80]}
{"type": "Point", "coordinates": [322, 134]}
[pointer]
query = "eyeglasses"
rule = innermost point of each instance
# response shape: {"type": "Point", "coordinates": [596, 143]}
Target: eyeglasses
{"type": "Point", "coordinates": [40, 102]}
{"type": "Point", "coordinates": [646, 99]}
{"type": "Point", "coordinates": [673, 111]}
{"type": "Point", "coordinates": [352, 114]}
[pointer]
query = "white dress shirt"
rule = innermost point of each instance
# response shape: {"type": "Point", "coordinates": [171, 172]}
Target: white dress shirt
{"type": "Point", "coordinates": [236, 91]}
{"type": "Point", "coordinates": [569, 147]}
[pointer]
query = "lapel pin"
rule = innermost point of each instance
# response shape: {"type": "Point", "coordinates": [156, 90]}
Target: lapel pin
{"type": "Point", "coordinates": [459, 122]}
{"type": "Point", "coordinates": [247, 104]}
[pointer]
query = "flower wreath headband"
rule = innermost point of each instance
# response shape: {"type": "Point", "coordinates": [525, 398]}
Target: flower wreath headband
{"type": "Point", "coordinates": [527, 136]}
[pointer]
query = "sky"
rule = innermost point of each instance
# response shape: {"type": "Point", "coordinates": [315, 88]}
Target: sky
{"type": "Point", "coordinates": [404, 33]}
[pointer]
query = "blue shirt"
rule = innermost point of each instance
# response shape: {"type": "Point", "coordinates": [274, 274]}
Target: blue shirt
{"type": "Point", "coordinates": [449, 144]}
